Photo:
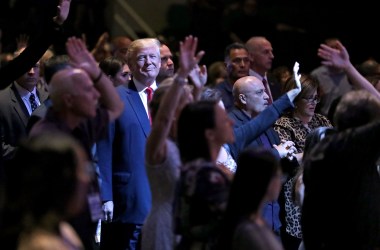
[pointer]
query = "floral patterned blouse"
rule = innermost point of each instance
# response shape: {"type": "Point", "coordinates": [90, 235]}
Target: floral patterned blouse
{"type": "Point", "coordinates": [290, 128]}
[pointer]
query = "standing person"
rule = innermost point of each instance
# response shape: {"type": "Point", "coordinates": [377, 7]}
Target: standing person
{"type": "Point", "coordinates": [297, 123]}
{"type": "Point", "coordinates": [236, 61]}
{"type": "Point", "coordinates": [75, 93]}
{"type": "Point", "coordinates": [261, 55]}
{"type": "Point", "coordinates": [343, 169]}
{"type": "Point", "coordinates": [125, 187]}
{"type": "Point", "coordinates": [17, 102]}
{"type": "Point", "coordinates": [47, 183]}
{"type": "Point", "coordinates": [244, 226]}
{"type": "Point", "coordinates": [162, 155]}
{"type": "Point", "coordinates": [250, 100]}
{"type": "Point", "coordinates": [116, 70]}
{"type": "Point", "coordinates": [167, 64]}
{"type": "Point", "coordinates": [333, 82]}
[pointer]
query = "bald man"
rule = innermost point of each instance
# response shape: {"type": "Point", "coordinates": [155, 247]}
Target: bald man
{"type": "Point", "coordinates": [250, 100]}
{"type": "Point", "coordinates": [75, 93]}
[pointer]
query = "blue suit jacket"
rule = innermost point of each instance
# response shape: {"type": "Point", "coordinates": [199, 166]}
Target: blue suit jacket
{"type": "Point", "coordinates": [247, 130]}
{"type": "Point", "coordinates": [263, 124]}
{"type": "Point", "coordinates": [121, 160]}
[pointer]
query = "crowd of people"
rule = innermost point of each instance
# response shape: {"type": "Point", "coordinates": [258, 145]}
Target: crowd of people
{"type": "Point", "coordinates": [132, 145]}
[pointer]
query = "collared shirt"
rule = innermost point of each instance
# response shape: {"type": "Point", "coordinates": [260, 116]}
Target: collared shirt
{"type": "Point", "coordinates": [25, 94]}
{"type": "Point", "coordinates": [143, 95]}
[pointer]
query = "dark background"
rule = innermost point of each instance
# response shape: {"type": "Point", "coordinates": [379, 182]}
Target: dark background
{"type": "Point", "coordinates": [354, 23]}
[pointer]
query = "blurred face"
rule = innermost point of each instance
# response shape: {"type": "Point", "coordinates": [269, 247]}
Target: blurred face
{"type": "Point", "coordinates": [167, 64]}
{"type": "Point", "coordinates": [121, 47]}
{"type": "Point", "coordinates": [30, 79]}
{"type": "Point", "coordinates": [145, 64]}
{"type": "Point", "coordinates": [84, 100]}
{"type": "Point", "coordinates": [223, 131]}
{"type": "Point", "coordinates": [255, 98]}
{"type": "Point", "coordinates": [238, 65]}
{"type": "Point", "coordinates": [306, 104]}
{"type": "Point", "coordinates": [262, 58]}
{"type": "Point", "coordinates": [122, 77]}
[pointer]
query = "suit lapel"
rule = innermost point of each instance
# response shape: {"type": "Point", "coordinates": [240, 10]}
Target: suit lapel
{"type": "Point", "coordinates": [18, 105]}
{"type": "Point", "coordinates": [138, 108]}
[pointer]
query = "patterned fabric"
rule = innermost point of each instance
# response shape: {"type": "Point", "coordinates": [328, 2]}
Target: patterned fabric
{"type": "Point", "coordinates": [290, 128]}
{"type": "Point", "coordinates": [292, 211]}
{"type": "Point", "coordinates": [203, 193]}
{"type": "Point", "coordinates": [32, 100]}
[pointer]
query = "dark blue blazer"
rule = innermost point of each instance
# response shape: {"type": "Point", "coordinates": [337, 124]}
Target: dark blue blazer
{"type": "Point", "coordinates": [247, 130]}
{"type": "Point", "coordinates": [121, 160]}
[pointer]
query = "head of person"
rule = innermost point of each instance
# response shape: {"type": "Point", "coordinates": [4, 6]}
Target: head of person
{"type": "Point", "coordinates": [369, 67]}
{"type": "Point", "coordinates": [356, 108]}
{"type": "Point", "coordinates": [119, 47]}
{"type": "Point", "coordinates": [307, 100]}
{"type": "Point", "coordinates": [73, 94]}
{"type": "Point", "coordinates": [236, 60]}
{"type": "Point", "coordinates": [55, 64]}
{"type": "Point", "coordinates": [143, 59]}
{"type": "Point", "coordinates": [48, 176]}
{"type": "Point", "coordinates": [374, 80]}
{"type": "Point", "coordinates": [116, 70]}
{"type": "Point", "coordinates": [167, 64]}
{"type": "Point", "coordinates": [259, 170]}
{"type": "Point", "coordinates": [261, 54]}
{"type": "Point", "coordinates": [203, 127]}
{"type": "Point", "coordinates": [212, 94]}
{"type": "Point", "coordinates": [30, 78]}
{"type": "Point", "coordinates": [185, 98]}
{"type": "Point", "coordinates": [217, 73]}
{"type": "Point", "coordinates": [281, 74]}
{"type": "Point", "coordinates": [249, 95]}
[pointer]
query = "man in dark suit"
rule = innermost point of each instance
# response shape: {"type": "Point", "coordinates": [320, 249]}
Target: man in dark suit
{"type": "Point", "coordinates": [236, 60]}
{"type": "Point", "coordinates": [261, 55]}
{"type": "Point", "coordinates": [125, 187]}
{"type": "Point", "coordinates": [250, 100]}
{"type": "Point", "coordinates": [16, 107]}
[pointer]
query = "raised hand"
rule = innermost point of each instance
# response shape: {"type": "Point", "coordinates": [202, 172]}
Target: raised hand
{"type": "Point", "coordinates": [198, 76]}
{"type": "Point", "coordinates": [338, 58]}
{"type": "Point", "coordinates": [292, 94]}
{"type": "Point", "coordinates": [81, 57]}
{"type": "Point", "coordinates": [63, 9]}
{"type": "Point", "coordinates": [188, 59]}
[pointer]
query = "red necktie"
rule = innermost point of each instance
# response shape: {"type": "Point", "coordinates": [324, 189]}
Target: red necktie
{"type": "Point", "coordinates": [149, 96]}
{"type": "Point", "coordinates": [266, 86]}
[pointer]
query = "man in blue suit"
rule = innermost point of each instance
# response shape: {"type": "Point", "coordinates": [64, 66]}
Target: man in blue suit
{"type": "Point", "coordinates": [125, 188]}
{"type": "Point", "coordinates": [250, 100]}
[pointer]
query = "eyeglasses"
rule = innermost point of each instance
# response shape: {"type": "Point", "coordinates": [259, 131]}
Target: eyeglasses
{"type": "Point", "coordinates": [315, 99]}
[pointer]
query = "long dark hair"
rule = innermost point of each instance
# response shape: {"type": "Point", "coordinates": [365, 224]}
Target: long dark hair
{"type": "Point", "coordinates": [193, 121]}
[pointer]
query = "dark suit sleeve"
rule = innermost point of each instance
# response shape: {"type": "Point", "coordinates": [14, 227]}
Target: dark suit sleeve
{"type": "Point", "coordinates": [249, 131]}
{"type": "Point", "coordinates": [30, 56]}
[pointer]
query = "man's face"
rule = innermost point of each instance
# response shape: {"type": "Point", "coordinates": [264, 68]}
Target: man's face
{"type": "Point", "coordinates": [255, 97]}
{"type": "Point", "coordinates": [145, 64]}
{"type": "Point", "coordinates": [238, 65]}
{"type": "Point", "coordinates": [85, 97]}
{"type": "Point", "coordinates": [263, 57]}
{"type": "Point", "coordinates": [30, 79]}
{"type": "Point", "coordinates": [167, 64]}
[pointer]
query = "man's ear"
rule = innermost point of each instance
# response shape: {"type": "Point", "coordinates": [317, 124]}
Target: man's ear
{"type": "Point", "coordinates": [68, 100]}
{"type": "Point", "coordinates": [242, 99]}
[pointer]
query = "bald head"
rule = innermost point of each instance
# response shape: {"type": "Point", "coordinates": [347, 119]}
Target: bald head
{"type": "Point", "coordinates": [65, 82]}
{"type": "Point", "coordinates": [249, 94]}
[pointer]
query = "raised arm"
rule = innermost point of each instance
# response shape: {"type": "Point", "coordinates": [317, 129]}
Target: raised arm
{"type": "Point", "coordinates": [162, 123]}
{"type": "Point", "coordinates": [340, 58]}
{"type": "Point", "coordinates": [82, 58]}
{"type": "Point", "coordinates": [32, 53]}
